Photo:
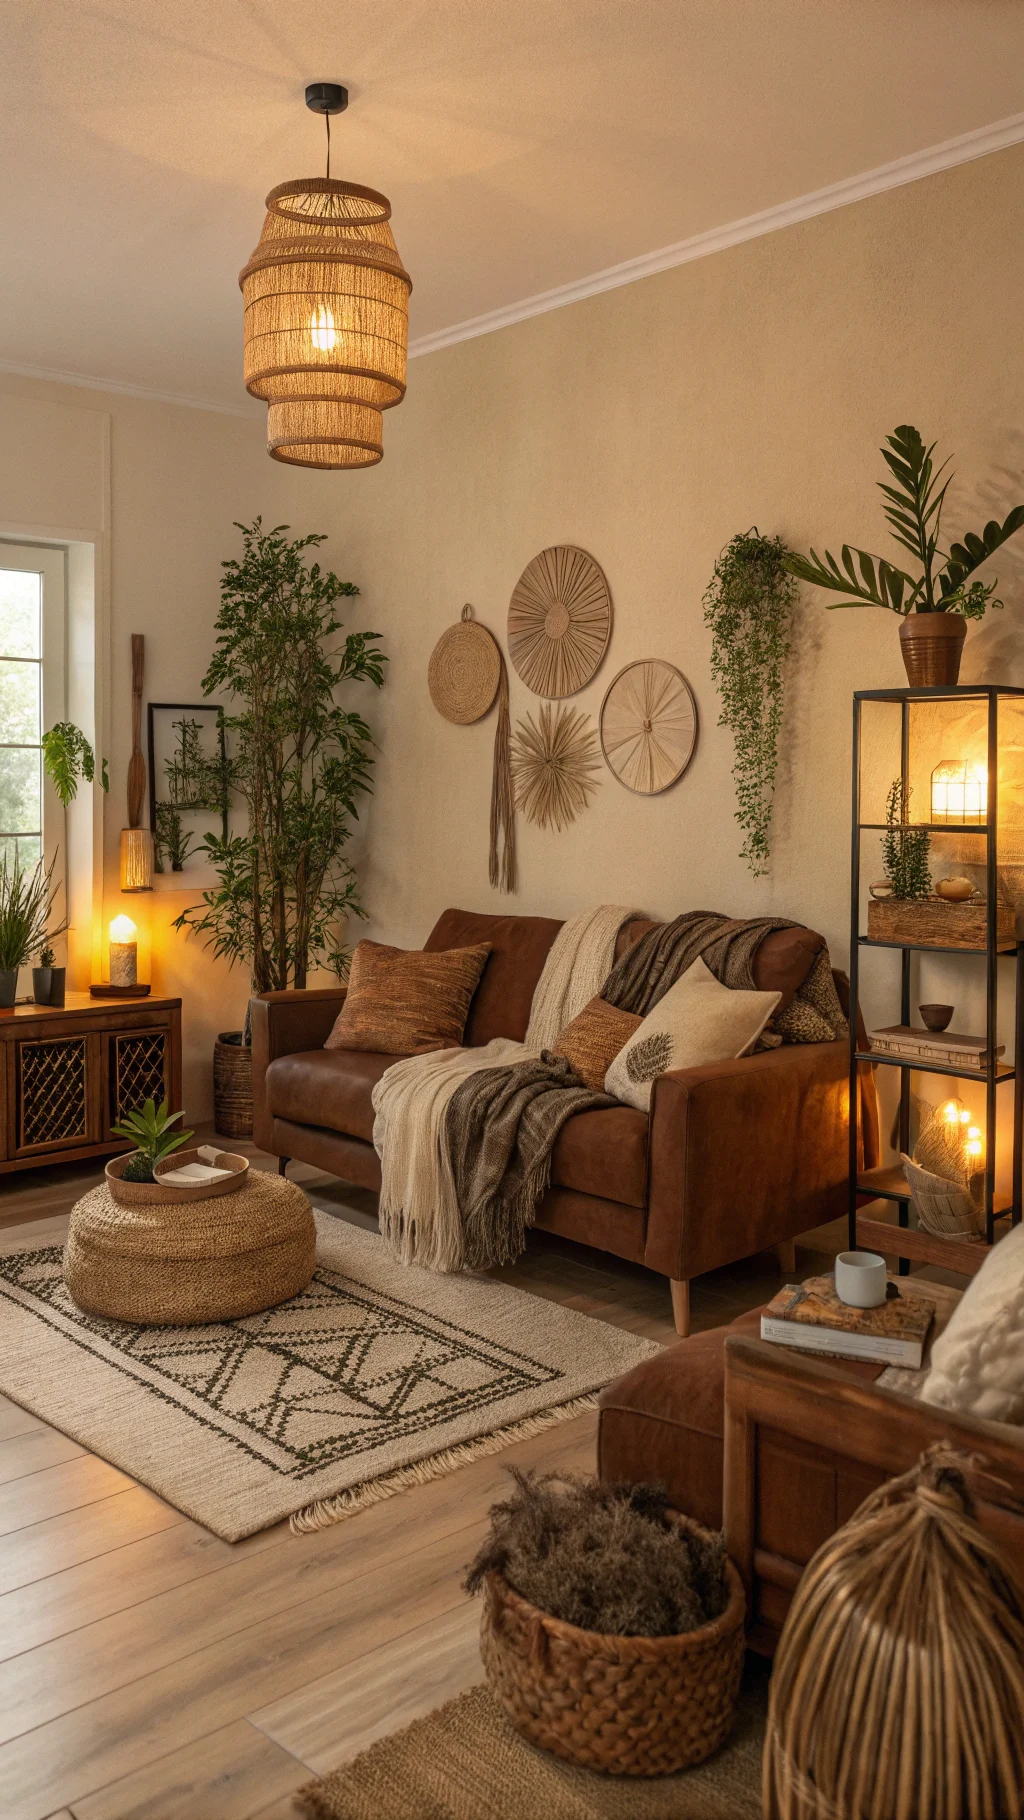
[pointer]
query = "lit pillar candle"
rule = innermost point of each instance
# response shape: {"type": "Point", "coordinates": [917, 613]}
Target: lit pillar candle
{"type": "Point", "coordinates": [122, 951]}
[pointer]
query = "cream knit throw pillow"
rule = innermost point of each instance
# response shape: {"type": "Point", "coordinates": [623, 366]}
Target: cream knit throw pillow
{"type": "Point", "coordinates": [977, 1364]}
{"type": "Point", "coordinates": [698, 1020]}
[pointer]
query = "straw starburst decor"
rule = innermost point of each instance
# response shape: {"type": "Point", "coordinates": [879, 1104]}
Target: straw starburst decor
{"type": "Point", "coordinates": [552, 760]}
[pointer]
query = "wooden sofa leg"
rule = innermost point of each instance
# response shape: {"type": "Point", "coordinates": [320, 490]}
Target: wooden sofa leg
{"type": "Point", "coordinates": [282, 1164]}
{"type": "Point", "coordinates": [786, 1254]}
{"type": "Point", "coordinates": [680, 1306]}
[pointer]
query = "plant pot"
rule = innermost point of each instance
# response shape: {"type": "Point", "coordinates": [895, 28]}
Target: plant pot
{"type": "Point", "coordinates": [932, 645]}
{"type": "Point", "coordinates": [232, 1085]}
{"type": "Point", "coordinates": [42, 984]}
{"type": "Point", "coordinates": [58, 976]}
{"type": "Point", "coordinates": [8, 987]}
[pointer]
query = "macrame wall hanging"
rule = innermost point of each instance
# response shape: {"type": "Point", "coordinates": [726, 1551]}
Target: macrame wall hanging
{"type": "Point", "coordinates": [559, 621]}
{"type": "Point", "coordinates": [465, 673]}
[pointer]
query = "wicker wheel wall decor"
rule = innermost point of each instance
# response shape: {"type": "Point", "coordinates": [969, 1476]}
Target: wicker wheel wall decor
{"type": "Point", "coordinates": [648, 726]}
{"type": "Point", "coordinates": [559, 621]}
{"type": "Point", "coordinates": [552, 762]}
{"type": "Point", "coordinates": [464, 671]}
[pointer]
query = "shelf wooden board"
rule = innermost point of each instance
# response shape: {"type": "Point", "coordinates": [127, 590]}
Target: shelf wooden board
{"type": "Point", "coordinates": [868, 941]}
{"type": "Point", "coordinates": [931, 827]}
{"type": "Point", "coordinates": [1002, 1072]}
{"type": "Point", "coordinates": [890, 1183]}
{"type": "Point", "coordinates": [883, 1234]}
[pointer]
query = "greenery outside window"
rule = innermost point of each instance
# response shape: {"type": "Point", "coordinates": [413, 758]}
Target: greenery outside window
{"type": "Point", "coordinates": [32, 698]}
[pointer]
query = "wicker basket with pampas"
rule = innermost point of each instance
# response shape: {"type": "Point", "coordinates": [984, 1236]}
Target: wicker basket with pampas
{"type": "Point", "coordinates": [898, 1685]}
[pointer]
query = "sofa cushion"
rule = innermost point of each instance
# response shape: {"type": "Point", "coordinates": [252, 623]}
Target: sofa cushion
{"type": "Point", "coordinates": [327, 1087]}
{"type": "Point", "coordinates": [519, 947]}
{"type": "Point", "coordinates": [401, 1001]}
{"type": "Point", "coordinates": [604, 1154]}
{"type": "Point", "coordinates": [698, 1020]}
{"type": "Point", "coordinates": [592, 1040]}
{"type": "Point", "coordinates": [664, 1421]}
{"type": "Point", "coordinates": [781, 964]}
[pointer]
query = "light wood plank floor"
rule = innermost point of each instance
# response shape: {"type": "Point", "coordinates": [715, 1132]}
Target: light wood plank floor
{"type": "Point", "coordinates": [150, 1671]}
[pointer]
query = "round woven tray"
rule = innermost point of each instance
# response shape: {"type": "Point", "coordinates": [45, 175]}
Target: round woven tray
{"type": "Point", "coordinates": [630, 1706]}
{"type": "Point", "coordinates": [169, 1194]}
{"type": "Point", "coordinates": [464, 671]}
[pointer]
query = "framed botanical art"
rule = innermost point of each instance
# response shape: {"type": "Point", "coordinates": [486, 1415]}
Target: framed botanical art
{"type": "Point", "coordinates": [188, 790]}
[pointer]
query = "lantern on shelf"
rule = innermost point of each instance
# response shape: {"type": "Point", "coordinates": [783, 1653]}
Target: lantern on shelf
{"type": "Point", "coordinates": [326, 315]}
{"type": "Point", "coordinates": [136, 859]}
{"type": "Point", "coordinates": [959, 792]}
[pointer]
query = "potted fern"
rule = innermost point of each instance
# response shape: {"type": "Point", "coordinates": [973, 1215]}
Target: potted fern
{"type": "Point", "coordinates": [935, 604]}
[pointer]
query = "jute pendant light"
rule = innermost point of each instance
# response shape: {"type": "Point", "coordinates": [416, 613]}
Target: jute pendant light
{"type": "Point", "coordinates": [559, 621]}
{"type": "Point", "coordinates": [326, 315]}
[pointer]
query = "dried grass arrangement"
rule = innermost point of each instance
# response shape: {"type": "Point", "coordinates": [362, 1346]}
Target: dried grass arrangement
{"type": "Point", "coordinates": [552, 762]}
{"type": "Point", "coordinates": [898, 1685]}
{"type": "Point", "coordinates": [603, 1557]}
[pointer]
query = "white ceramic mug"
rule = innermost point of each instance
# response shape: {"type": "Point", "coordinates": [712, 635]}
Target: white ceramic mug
{"type": "Point", "coordinates": [861, 1278]}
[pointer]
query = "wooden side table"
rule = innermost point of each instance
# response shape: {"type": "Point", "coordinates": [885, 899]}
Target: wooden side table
{"type": "Point", "coordinates": [67, 1075]}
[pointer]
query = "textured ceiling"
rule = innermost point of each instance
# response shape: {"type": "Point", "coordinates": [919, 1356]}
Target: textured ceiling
{"type": "Point", "coordinates": [524, 143]}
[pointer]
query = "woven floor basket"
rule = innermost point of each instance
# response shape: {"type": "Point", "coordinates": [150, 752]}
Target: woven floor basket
{"type": "Point", "coordinates": [210, 1260]}
{"type": "Point", "coordinates": [630, 1706]}
{"type": "Point", "coordinates": [232, 1087]}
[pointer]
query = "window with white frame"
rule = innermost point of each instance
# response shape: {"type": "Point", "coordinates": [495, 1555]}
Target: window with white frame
{"type": "Point", "coordinates": [32, 697]}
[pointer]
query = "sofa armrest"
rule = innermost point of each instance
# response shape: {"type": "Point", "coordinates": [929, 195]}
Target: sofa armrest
{"type": "Point", "coordinates": [284, 1023]}
{"type": "Point", "coordinates": [745, 1154]}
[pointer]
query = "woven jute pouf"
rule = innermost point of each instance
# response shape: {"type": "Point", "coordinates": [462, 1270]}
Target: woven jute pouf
{"type": "Point", "coordinates": [630, 1706]}
{"type": "Point", "coordinates": [202, 1261]}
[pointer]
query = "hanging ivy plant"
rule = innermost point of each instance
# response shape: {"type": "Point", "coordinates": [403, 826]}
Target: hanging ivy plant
{"type": "Point", "coordinates": [748, 606]}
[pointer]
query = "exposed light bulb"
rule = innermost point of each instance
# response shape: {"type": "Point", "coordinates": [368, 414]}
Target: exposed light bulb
{"type": "Point", "coordinates": [122, 929]}
{"type": "Point", "coordinates": [322, 330]}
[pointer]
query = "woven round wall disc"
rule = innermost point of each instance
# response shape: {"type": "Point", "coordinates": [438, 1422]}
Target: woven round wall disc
{"type": "Point", "coordinates": [464, 671]}
{"type": "Point", "coordinates": [648, 726]}
{"type": "Point", "coordinates": [559, 621]}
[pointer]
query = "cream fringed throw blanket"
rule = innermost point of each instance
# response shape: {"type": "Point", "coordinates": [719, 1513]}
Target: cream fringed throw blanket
{"type": "Point", "coordinates": [420, 1219]}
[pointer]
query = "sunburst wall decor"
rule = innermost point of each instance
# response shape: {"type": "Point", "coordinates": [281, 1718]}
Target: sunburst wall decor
{"type": "Point", "coordinates": [648, 726]}
{"type": "Point", "coordinates": [559, 621]}
{"type": "Point", "coordinates": [552, 762]}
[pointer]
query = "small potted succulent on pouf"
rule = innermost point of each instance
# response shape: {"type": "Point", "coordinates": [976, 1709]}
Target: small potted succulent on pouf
{"type": "Point", "coordinates": [612, 1631]}
{"type": "Point", "coordinates": [150, 1131]}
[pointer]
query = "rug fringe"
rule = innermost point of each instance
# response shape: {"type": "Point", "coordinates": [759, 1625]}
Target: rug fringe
{"type": "Point", "coordinates": [327, 1511]}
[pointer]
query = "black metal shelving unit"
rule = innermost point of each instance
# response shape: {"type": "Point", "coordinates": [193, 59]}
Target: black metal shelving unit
{"type": "Point", "coordinates": [889, 1183]}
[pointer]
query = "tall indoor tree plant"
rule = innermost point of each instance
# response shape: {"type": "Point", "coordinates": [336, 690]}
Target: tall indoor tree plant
{"type": "Point", "coordinates": [298, 761]}
{"type": "Point", "coordinates": [935, 604]}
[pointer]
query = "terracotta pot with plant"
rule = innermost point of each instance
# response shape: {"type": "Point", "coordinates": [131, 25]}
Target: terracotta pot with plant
{"type": "Point", "coordinates": [935, 605]}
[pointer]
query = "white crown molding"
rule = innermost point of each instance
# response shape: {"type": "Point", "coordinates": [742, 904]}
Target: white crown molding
{"type": "Point", "coordinates": [120, 386]}
{"type": "Point", "coordinates": [976, 144]}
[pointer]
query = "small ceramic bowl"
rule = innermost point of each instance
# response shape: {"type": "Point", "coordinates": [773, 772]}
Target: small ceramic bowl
{"type": "Point", "coordinates": [861, 1279]}
{"type": "Point", "coordinates": [955, 890]}
{"type": "Point", "coordinates": [935, 1017]}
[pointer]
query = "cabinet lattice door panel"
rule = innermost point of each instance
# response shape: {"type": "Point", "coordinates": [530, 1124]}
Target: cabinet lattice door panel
{"type": "Point", "coordinates": [52, 1102]}
{"type": "Point", "coordinates": [137, 1063]}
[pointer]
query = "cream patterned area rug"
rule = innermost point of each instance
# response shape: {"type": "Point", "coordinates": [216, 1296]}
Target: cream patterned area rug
{"type": "Point", "coordinates": [376, 1378]}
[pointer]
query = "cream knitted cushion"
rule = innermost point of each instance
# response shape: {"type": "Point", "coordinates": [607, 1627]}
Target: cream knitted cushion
{"type": "Point", "coordinates": [977, 1364]}
{"type": "Point", "coordinates": [698, 1020]}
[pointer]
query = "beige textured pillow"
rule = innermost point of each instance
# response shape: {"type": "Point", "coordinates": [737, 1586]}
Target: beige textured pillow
{"type": "Point", "coordinates": [698, 1020]}
{"type": "Point", "coordinates": [401, 1001]}
{"type": "Point", "coordinates": [977, 1363]}
{"type": "Point", "coordinates": [593, 1040]}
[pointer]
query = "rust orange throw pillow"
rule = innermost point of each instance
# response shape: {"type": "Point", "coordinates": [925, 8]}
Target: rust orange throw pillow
{"type": "Point", "coordinates": [593, 1040]}
{"type": "Point", "coordinates": [401, 1001]}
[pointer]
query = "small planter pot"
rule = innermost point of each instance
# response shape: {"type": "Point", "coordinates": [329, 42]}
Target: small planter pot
{"type": "Point", "coordinates": [48, 985]}
{"type": "Point", "coordinates": [932, 645]}
{"type": "Point", "coordinates": [58, 976]}
{"type": "Point", "coordinates": [232, 1085]}
{"type": "Point", "coordinates": [8, 987]}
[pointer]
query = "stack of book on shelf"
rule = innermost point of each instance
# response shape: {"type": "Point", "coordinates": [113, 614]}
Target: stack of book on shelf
{"type": "Point", "coordinates": [924, 1046]}
{"type": "Point", "coordinates": [812, 1317]}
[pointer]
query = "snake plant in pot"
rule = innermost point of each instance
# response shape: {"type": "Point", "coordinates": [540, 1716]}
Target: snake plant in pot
{"type": "Point", "coordinates": [934, 605]}
{"type": "Point", "coordinates": [26, 899]}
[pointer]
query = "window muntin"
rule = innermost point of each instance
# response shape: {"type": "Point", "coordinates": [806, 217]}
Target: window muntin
{"type": "Point", "coordinates": [32, 636]}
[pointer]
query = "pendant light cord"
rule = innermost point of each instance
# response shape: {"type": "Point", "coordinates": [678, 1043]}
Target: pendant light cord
{"type": "Point", "coordinates": [327, 118]}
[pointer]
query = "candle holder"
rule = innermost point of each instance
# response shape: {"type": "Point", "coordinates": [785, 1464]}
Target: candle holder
{"type": "Point", "coordinates": [123, 951]}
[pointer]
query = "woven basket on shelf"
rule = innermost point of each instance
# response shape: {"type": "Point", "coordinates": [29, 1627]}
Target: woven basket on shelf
{"type": "Point", "coordinates": [630, 1706]}
{"type": "Point", "coordinates": [942, 1207]}
{"type": "Point", "coordinates": [232, 1085]}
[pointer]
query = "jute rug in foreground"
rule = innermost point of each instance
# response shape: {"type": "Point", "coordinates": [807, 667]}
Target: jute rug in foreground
{"type": "Point", "coordinates": [376, 1378]}
{"type": "Point", "coordinates": [465, 1762]}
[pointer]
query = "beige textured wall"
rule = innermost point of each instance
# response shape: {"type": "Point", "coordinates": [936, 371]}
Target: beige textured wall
{"type": "Point", "coordinates": [649, 424]}
{"type": "Point", "coordinates": [163, 524]}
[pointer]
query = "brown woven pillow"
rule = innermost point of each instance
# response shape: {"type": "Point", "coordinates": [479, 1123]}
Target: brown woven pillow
{"type": "Point", "coordinates": [593, 1040]}
{"type": "Point", "coordinates": [401, 1001]}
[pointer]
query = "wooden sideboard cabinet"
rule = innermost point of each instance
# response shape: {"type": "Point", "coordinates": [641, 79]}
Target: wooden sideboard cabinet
{"type": "Point", "coordinates": [68, 1075]}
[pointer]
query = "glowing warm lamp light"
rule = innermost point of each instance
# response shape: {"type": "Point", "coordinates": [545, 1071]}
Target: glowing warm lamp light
{"type": "Point", "coordinates": [321, 328]}
{"type": "Point", "coordinates": [123, 950]}
{"type": "Point", "coordinates": [959, 792]}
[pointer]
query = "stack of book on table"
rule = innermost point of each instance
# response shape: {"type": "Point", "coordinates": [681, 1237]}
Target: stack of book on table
{"type": "Point", "coordinates": [812, 1317]}
{"type": "Point", "coordinates": [966, 1052]}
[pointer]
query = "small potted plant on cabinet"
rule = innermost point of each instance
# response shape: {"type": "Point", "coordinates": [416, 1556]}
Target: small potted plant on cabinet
{"type": "Point", "coordinates": [26, 899]}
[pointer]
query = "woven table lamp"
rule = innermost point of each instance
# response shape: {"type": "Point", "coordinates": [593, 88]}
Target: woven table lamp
{"type": "Point", "coordinates": [326, 315]}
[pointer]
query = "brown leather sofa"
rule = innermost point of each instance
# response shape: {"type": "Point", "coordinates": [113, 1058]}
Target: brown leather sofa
{"type": "Point", "coordinates": [734, 1157]}
{"type": "Point", "coordinates": [780, 1448]}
